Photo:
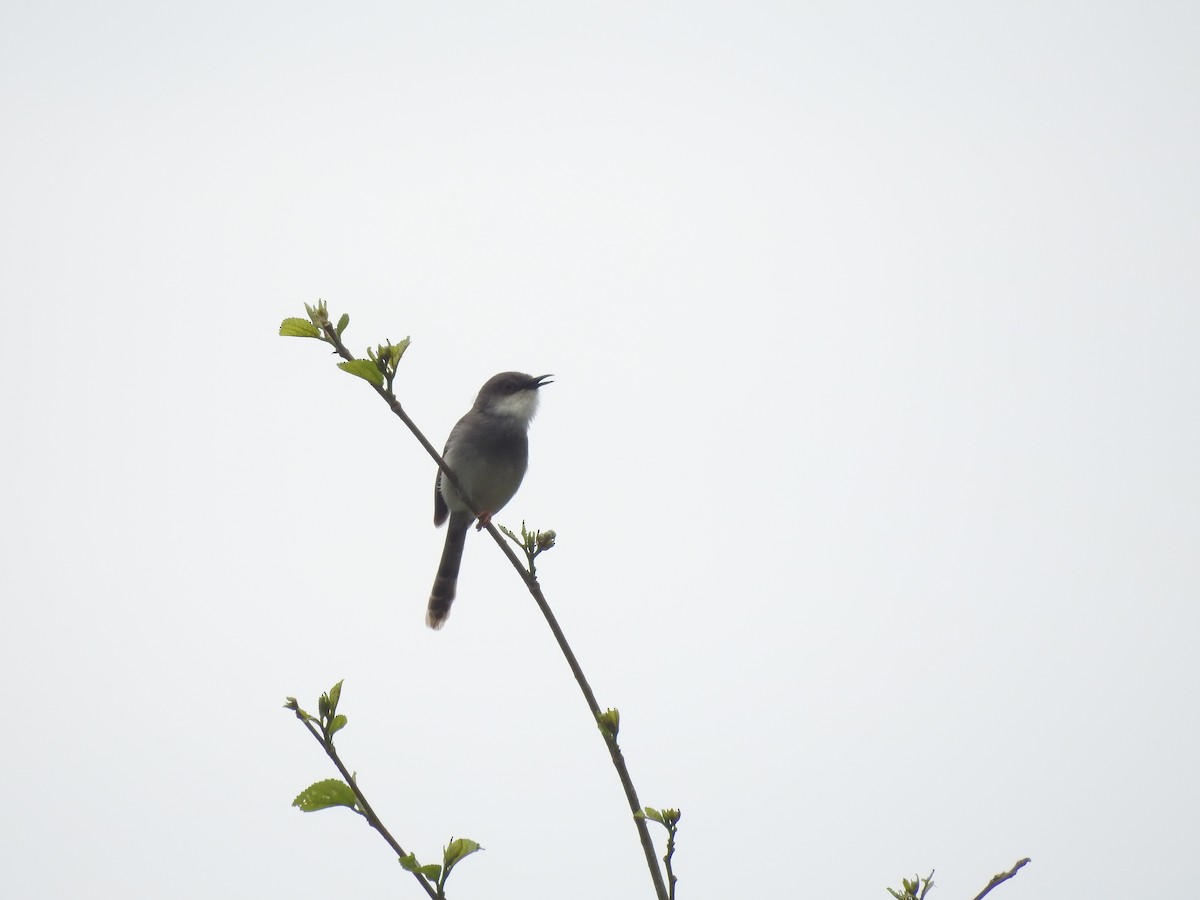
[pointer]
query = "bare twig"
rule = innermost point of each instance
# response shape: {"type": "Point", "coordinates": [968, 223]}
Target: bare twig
{"type": "Point", "coordinates": [1001, 878]}
{"type": "Point", "coordinates": [926, 885]}
{"type": "Point", "coordinates": [671, 879]}
{"type": "Point", "coordinates": [614, 750]}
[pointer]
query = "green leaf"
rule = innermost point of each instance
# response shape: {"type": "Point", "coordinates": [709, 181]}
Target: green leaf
{"type": "Point", "coordinates": [609, 722]}
{"type": "Point", "coordinates": [319, 313]}
{"type": "Point", "coordinates": [458, 850]}
{"type": "Point", "coordinates": [651, 813]}
{"type": "Point", "coordinates": [335, 694]}
{"type": "Point", "coordinates": [294, 706]}
{"type": "Point", "coordinates": [410, 864]}
{"type": "Point", "coordinates": [298, 328]}
{"type": "Point", "coordinates": [363, 368]}
{"type": "Point", "coordinates": [338, 723]}
{"type": "Point", "coordinates": [324, 794]}
{"type": "Point", "coordinates": [342, 323]}
{"type": "Point", "coordinates": [398, 350]}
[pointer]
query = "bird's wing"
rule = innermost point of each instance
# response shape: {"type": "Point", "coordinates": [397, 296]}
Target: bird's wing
{"type": "Point", "coordinates": [440, 509]}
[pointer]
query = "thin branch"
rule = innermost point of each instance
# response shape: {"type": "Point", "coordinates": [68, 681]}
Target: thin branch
{"type": "Point", "coordinates": [671, 879]}
{"type": "Point", "coordinates": [1001, 878]}
{"type": "Point", "coordinates": [367, 812]}
{"type": "Point", "coordinates": [614, 750]}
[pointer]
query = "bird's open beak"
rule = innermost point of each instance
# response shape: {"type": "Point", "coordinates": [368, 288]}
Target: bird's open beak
{"type": "Point", "coordinates": [541, 381]}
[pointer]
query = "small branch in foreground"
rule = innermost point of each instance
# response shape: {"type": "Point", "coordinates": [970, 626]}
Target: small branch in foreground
{"type": "Point", "coordinates": [326, 741]}
{"type": "Point", "coordinates": [1001, 878]}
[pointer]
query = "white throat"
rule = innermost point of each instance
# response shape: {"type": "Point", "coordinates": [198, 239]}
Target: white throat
{"type": "Point", "coordinates": [520, 406]}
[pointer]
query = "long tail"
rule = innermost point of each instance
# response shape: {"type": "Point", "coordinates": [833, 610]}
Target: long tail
{"type": "Point", "coordinates": [445, 585]}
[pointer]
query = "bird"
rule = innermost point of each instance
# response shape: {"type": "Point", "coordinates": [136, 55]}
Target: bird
{"type": "Point", "coordinates": [488, 451]}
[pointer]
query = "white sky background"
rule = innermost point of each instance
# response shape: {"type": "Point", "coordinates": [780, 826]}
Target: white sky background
{"type": "Point", "coordinates": [872, 447]}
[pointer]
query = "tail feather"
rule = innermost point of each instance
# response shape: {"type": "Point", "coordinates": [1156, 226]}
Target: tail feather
{"type": "Point", "coordinates": [445, 585]}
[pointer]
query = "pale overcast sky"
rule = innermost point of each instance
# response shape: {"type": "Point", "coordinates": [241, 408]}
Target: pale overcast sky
{"type": "Point", "coordinates": [872, 447]}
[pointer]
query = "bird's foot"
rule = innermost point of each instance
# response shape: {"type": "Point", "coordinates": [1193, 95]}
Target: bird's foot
{"type": "Point", "coordinates": [485, 519]}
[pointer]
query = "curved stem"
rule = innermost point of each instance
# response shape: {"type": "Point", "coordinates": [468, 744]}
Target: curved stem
{"type": "Point", "coordinates": [367, 812]}
{"type": "Point", "coordinates": [614, 750]}
{"type": "Point", "coordinates": [1001, 878]}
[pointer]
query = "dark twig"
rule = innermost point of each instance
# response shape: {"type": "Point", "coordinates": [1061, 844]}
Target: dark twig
{"type": "Point", "coordinates": [364, 807]}
{"type": "Point", "coordinates": [1001, 878]}
{"type": "Point", "coordinates": [614, 749]}
{"type": "Point", "coordinates": [671, 879]}
{"type": "Point", "coordinates": [535, 590]}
